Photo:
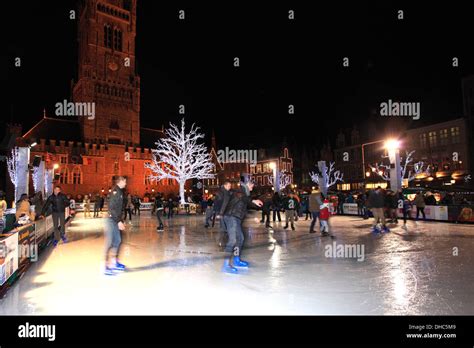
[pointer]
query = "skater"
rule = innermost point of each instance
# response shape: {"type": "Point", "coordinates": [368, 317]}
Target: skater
{"type": "Point", "coordinates": [58, 202]}
{"type": "Point", "coordinates": [314, 204]}
{"type": "Point", "coordinates": [376, 204]}
{"type": "Point", "coordinates": [209, 212]}
{"type": "Point", "coordinates": [128, 208]}
{"type": "Point", "coordinates": [114, 227]}
{"type": "Point", "coordinates": [222, 195]}
{"type": "Point", "coordinates": [234, 209]}
{"type": "Point", "coordinates": [276, 206]}
{"type": "Point", "coordinates": [96, 206]}
{"type": "Point", "coordinates": [420, 204]}
{"type": "Point", "coordinates": [392, 206]}
{"type": "Point", "coordinates": [324, 215]}
{"type": "Point", "coordinates": [406, 209]}
{"type": "Point", "coordinates": [361, 204]}
{"type": "Point", "coordinates": [159, 205]}
{"type": "Point", "coordinates": [87, 208]}
{"type": "Point", "coordinates": [290, 204]}
{"type": "Point", "coordinates": [266, 208]}
{"type": "Point", "coordinates": [170, 207]}
{"type": "Point", "coordinates": [136, 205]}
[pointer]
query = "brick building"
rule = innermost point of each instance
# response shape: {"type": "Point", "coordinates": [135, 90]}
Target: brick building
{"type": "Point", "coordinates": [91, 151]}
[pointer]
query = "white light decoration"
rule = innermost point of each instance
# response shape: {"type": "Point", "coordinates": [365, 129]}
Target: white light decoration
{"type": "Point", "coordinates": [12, 166]}
{"type": "Point", "coordinates": [326, 177]}
{"type": "Point", "coordinates": [179, 156]}
{"type": "Point", "coordinates": [37, 178]}
{"type": "Point", "coordinates": [285, 180]}
{"type": "Point", "coordinates": [418, 168]}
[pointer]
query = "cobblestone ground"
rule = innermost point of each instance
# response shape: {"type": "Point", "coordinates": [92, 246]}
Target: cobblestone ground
{"type": "Point", "coordinates": [425, 270]}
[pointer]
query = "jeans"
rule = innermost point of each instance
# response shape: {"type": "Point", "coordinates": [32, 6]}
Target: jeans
{"type": "Point", "coordinates": [266, 217]}
{"type": "Point", "coordinates": [315, 217]}
{"type": "Point", "coordinates": [236, 235]}
{"type": "Point", "coordinates": [96, 210]}
{"type": "Point", "coordinates": [222, 231]}
{"type": "Point", "coordinates": [209, 212]}
{"type": "Point", "coordinates": [113, 239]}
{"type": "Point", "coordinates": [59, 220]}
{"type": "Point", "coordinates": [129, 212]}
{"type": "Point", "coordinates": [276, 213]}
{"type": "Point", "coordinates": [422, 210]}
{"type": "Point", "coordinates": [159, 214]}
{"type": "Point", "coordinates": [290, 215]}
{"type": "Point", "coordinates": [378, 215]}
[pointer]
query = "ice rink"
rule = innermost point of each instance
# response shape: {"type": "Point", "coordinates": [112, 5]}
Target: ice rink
{"type": "Point", "coordinates": [428, 270]}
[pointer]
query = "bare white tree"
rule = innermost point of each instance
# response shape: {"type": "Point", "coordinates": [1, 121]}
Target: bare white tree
{"type": "Point", "coordinates": [326, 177]}
{"type": "Point", "coordinates": [285, 180]}
{"type": "Point", "coordinates": [179, 156]}
{"type": "Point", "coordinates": [12, 166]}
{"type": "Point", "coordinates": [418, 168]}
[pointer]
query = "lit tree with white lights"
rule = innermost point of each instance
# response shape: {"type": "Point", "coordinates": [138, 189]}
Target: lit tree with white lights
{"type": "Point", "coordinates": [285, 180]}
{"type": "Point", "coordinates": [179, 156]}
{"type": "Point", "coordinates": [383, 170]}
{"type": "Point", "coordinates": [12, 166]}
{"type": "Point", "coordinates": [326, 177]}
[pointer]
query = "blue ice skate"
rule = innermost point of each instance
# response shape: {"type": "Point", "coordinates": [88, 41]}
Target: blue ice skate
{"type": "Point", "coordinates": [109, 271]}
{"type": "Point", "coordinates": [228, 268]}
{"type": "Point", "coordinates": [240, 263]}
{"type": "Point", "coordinates": [375, 230]}
{"type": "Point", "coordinates": [385, 229]}
{"type": "Point", "coordinates": [119, 266]}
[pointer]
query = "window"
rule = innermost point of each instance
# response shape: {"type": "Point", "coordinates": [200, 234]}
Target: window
{"type": "Point", "coordinates": [96, 166]}
{"type": "Point", "coordinates": [443, 137]}
{"type": "Point", "coordinates": [116, 167]}
{"type": "Point", "coordinates": [423, 140]}
{"type": "Point", "coordinates": [63, 159]}
{"type": "Point", "coordinates": [64, 176]}
{"type": "Point", "coordinates": [455, 137]}
{"type": "Point", "coordinates": [117, 39]}
{"type": "Point", "coordinates": [147, 177]}
{"type": "Point", "coordinates": [432, 138]}
{"type": "Point", "coordinates": [259, 168]}
{"type": "Point", "coordinates": [76, 176]}
{"type": "Point", "coordinates": [107, 36]}
{"type": "Point", "coordinates": [266, 167]}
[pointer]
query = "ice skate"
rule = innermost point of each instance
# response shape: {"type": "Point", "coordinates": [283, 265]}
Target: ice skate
{"type": "Point", "coordinates": [239, 263]}
{"type": "Point", "coordinates": [228, 268]}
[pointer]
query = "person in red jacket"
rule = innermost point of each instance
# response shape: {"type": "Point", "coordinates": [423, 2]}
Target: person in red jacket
{"type": "Point", "coordinates": [324, 214]}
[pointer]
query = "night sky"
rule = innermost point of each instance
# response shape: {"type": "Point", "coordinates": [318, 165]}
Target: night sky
{"type": "Point", "coordinates": [282, 62]}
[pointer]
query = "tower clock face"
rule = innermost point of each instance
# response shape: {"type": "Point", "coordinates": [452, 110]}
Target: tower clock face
{"type": "Point", "coordinates": [113, 66]}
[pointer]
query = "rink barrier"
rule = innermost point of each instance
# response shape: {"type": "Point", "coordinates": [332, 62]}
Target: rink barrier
{"type": "Point", "coordinates": [447, 213]}
{"type": "Point", "coordinates": [22, 246]}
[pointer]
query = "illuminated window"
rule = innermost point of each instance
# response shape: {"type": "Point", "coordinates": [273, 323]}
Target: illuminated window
{"type": "Point", "coordinates": [455, 137]}
{"type": "Point", "coordinates": [64, 176]}
{"type": "Point", "coordinates": [259, 168]}
{"type": "Point", "coordinates": [433, 139]}
{"type": "Point", "coordinates": [76, 176]}
{"type": "Point", "coordinates": [443, 137]}
{"type": "Point", "coordinates": [423, 140]}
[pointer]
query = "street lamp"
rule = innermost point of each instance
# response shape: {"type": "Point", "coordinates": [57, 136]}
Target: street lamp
{"type": "Point", "coordinates": [367, 173]}
{"type": "Point", "coordinates": [276, 177]}
{"type": "Point", "coordinates": [393, 148]}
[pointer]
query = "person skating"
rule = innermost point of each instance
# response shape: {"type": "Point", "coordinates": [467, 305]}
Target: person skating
{"type": "Point", "coordinates": [128, 208]}
{"type": "Point", "coordinates": [222, 195]}
{"type": "Point", "coordinates": [420, 204]}
{"type": "Point", "coordinates": [276, 206]}
{"type": "Point", "coordinates": [314, 203]}
{"type": "Point", "coordinates": [113, 228]}
{"type": "Point", "coordinates": [290, 204]}
{"type": "Point", "coordinates": [324, 215]}
{"type": "Point", "coordinates": [406, 209]}
{"type": "Point", "coordinates": [234, 209]}
{"type": "Point", "coordinates": [376, 203]}
{"type": "Point", "coordinates": [159, 205]}
{"type": "Point", "coordinates": [58, 202]}
{"type": "Point", "coordinates": [87, 208]}
{"type": "Point", "coordinates": [209, 212]}
{"type": "Point", "coordinates": [267, 200]}
{"type": "Point", "coordinates": [392, 206]}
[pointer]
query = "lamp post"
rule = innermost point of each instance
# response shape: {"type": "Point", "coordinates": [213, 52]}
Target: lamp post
{"type": "Point", "coordinates": [276, 176]}
{"type": "Point", "coordinates": [393, 148]}
{"type": "Point", "coordinates": [363, 154]}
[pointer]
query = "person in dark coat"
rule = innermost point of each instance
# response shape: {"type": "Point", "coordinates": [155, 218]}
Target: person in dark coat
{"type": "Point", "coordinates": [58, 203]}
{"type": "Point", "coordinates": [234, 209]}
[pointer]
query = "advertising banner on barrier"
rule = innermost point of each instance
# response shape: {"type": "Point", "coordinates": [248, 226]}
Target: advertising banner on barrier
{"type": "Point", "coordinates": [8, 257]}
{"type": "Point", "coordinates": [350, 208]}
{"type": "Point", "coordinates": [26, 243]}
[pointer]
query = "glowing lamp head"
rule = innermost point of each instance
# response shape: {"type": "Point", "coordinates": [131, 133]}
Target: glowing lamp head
{"type": "Point", "coordinates": [56, 166]}
{"type": "Point", "coordinates": [367, 174]}
{"type": "Point", "coordinates": [392, 144]}
{"type": "Point", "coordinates": [272, 165]}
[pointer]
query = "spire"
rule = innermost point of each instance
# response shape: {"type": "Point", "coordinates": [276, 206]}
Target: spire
{"type": "Point", "coordinates": [213, 141]}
